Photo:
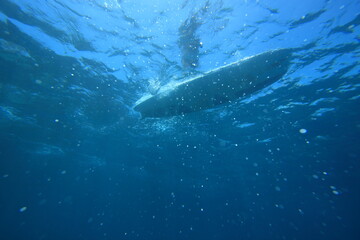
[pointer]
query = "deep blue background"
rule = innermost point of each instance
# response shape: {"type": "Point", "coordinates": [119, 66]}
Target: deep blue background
{"type": "Point", "coordinates": [76, 162]}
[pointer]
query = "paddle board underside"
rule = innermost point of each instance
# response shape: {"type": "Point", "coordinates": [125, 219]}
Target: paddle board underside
{"type": "Point", "coordinates": [219, 86]}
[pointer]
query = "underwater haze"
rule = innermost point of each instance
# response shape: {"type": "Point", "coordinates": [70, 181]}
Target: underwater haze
{"type": "Point", "coordinates": [78, 162]}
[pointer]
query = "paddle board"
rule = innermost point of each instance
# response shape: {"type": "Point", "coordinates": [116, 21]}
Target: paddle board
{"type": "Point", "coordinates": [218, 86]}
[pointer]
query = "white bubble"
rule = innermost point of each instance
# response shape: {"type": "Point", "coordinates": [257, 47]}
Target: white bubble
{"type": "Point", "coordinates": [23, 209]}
{"type": "Point", "coordinates": [303, 131]}
{"type": "Point", "coordinates": [315, 176]}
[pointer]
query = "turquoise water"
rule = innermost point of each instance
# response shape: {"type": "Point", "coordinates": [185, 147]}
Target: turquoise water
{"type": "Point", "coordinates": [77, 162]}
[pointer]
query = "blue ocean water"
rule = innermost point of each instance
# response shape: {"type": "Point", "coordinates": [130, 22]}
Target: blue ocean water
{"type": "Point", "coordinates": [77, 162]}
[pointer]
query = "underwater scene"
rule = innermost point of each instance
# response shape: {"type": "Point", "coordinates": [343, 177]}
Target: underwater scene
{"type": "Point", "coordinates": [159, 119]}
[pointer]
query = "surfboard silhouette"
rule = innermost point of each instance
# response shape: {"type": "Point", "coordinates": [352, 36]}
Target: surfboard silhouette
{"type": "Point", "coordinates": [219, 86]}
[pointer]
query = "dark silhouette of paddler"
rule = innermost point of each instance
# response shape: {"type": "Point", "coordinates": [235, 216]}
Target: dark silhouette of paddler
{"type": "Point", "coordinates": [189, 43]}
